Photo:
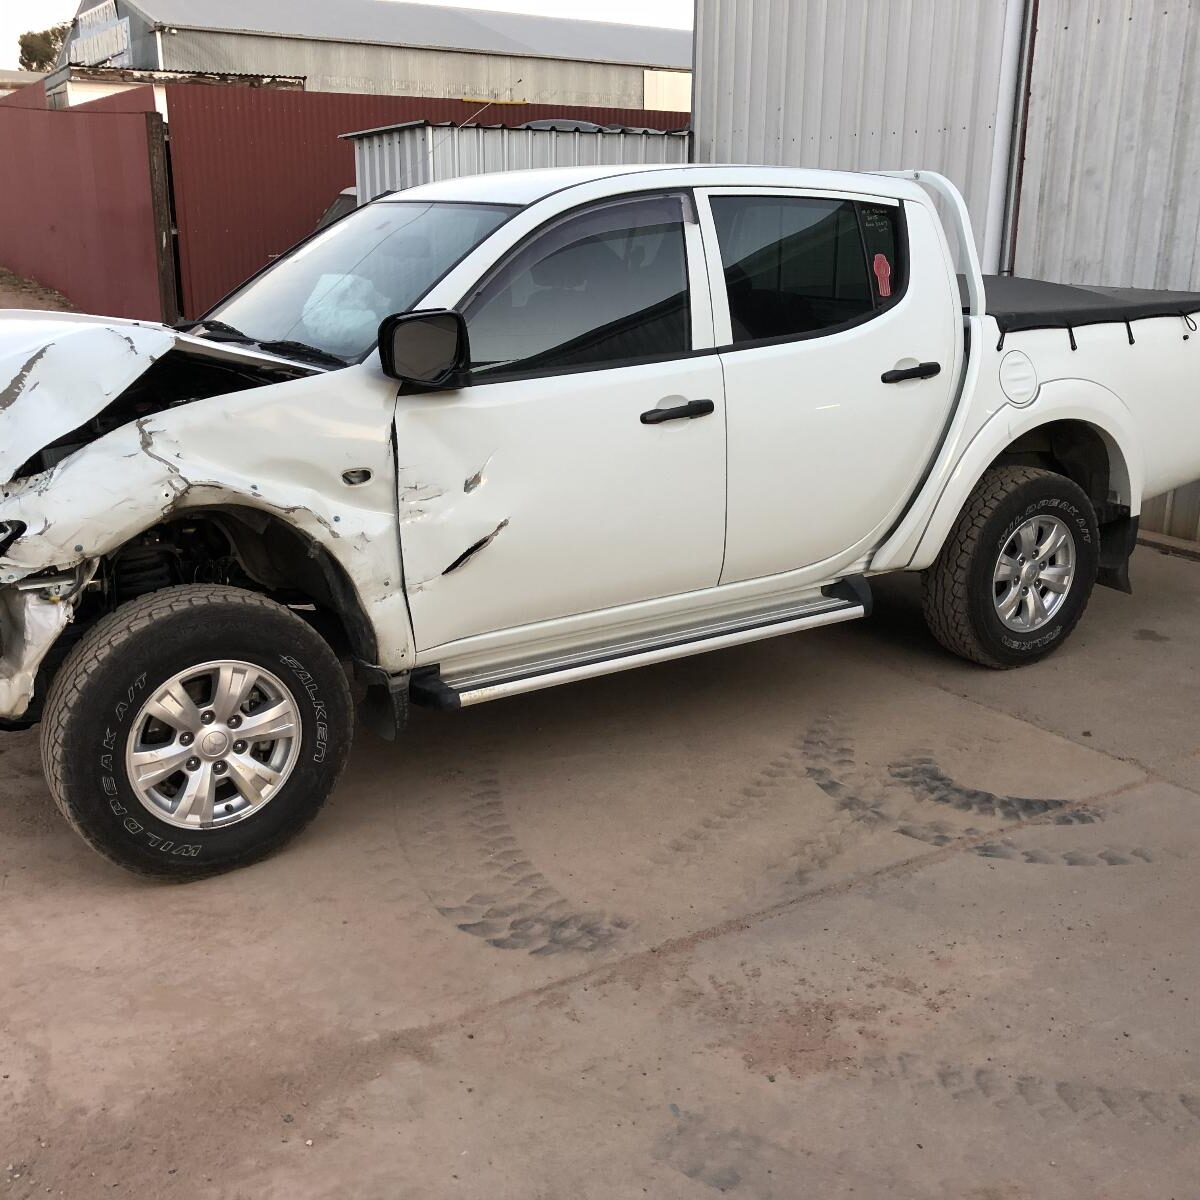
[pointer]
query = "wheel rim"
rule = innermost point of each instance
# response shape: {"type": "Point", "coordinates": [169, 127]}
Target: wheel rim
{"type": "Point", "coordinates": [213, 745]}
{"type": "Point", "coordinates": [1033, 574]}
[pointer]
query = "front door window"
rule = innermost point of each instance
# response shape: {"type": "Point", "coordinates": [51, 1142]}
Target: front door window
{"type": "Point", "coordinates": [605, 287]}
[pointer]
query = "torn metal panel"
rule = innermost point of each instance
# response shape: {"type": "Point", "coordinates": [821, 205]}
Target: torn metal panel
{"type": "Point", "coordinates": [32, 624]}
{"type": "Point", "coordinates": [448, 515]}
{"type": "Point", "coordinates": [280, 452]}
{"type": "Point", "coordinates": [58, 371]}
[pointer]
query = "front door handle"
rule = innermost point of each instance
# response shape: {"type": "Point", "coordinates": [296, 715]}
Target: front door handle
{"type": "Point", "coordinates": [920, 371]}
{"type": "Point", "coordinates": [682, 412]}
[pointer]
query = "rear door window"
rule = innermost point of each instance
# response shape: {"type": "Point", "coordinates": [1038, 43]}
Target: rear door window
{"type": "Point", "coordinates": [797, 266]}
{"type": "Point", "coordinates": [881, 236]}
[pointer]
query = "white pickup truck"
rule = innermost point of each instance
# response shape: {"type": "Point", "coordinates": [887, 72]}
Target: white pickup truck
{"type": "Point", "coordinates": [495, 434]}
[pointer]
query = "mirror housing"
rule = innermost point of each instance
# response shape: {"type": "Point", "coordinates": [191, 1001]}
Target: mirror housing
{"type": "Point", "coordinates": [427, 349]}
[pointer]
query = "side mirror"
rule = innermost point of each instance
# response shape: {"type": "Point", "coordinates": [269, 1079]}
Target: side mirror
{"type": "Point", "coordinates": [427, 350]}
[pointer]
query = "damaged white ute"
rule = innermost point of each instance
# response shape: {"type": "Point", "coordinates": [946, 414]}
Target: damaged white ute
{"type": "Point", "coordinates": [491, 435]}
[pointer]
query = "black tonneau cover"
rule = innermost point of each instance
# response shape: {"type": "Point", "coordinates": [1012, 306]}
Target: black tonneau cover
{"type": "Point", "coordinates": [1033, 304]}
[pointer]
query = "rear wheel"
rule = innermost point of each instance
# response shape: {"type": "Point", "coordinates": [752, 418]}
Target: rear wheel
{"type": "Point", "coordinates": [1017, 569]}
{"type": "Point", "coordinates": [195, 729]}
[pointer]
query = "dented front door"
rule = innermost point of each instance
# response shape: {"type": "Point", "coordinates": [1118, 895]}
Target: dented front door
{"type": "Point", "coordinates": [531, 500]}
{"type": "Point", "coordinates": [584, 469]}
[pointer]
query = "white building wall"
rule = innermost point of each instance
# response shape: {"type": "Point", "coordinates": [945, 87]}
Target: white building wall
{"type": "Point", "coordinates": [862, 85]}
{"type": "Point", "coordinates": [403, 71]}
{"type": "Point", "coordinates": [1112, 157]}
{"type": "Point", "coordinates": [667, 90]}
{"type": "Point", "coordinates": [83, 91]}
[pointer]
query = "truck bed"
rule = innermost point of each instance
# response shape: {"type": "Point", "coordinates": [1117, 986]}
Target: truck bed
{"type": "Point", "coordinates": [1015, 303]}
{"type": "Point", "coordinates": [1138, 345]}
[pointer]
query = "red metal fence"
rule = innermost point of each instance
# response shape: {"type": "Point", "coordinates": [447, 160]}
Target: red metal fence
{"type": "Point", "coordinates": [86, 206]}
{"type": "Point", "coordinates": [32, 95]}
{"type": "Point", "coordinates": [77, 209]}
{"type": "Point", "coordinates": [254, 169]}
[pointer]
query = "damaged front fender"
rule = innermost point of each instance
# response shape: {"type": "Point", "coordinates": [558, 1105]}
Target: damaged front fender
{"type": "Point", "coordinates": [31, 623]}
{"type": "Point", "coordinates": [313, 451]}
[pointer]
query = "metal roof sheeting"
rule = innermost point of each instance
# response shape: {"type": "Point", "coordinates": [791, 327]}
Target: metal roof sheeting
{"type": "Point", "coordinates": [390, 23]}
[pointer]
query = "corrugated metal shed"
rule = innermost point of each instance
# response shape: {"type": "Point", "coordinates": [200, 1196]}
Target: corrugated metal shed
{"type": "Point", "coordinates": [389, 23]}
{"type": "Point", "coordinates": [403, 156]}
{"type": "Point", "coordinates": [1109, 191]}
{"type": "Point", "coordinates": [860, 85]}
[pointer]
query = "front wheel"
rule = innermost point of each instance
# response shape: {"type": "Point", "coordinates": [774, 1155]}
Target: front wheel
{"type": "Point", "coordinates": [194, 730]}
{"type": "Point", "coordinates": [1017, 568]}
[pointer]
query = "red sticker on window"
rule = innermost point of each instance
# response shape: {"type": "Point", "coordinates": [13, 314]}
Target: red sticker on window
{"type": "Point", "coordinates": [883, 275]}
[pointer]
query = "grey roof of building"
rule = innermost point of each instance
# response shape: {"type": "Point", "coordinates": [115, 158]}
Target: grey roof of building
{"type": "Point", "coordinates": [391, 23]}
{"type": "Point", "coordinates": [20, 78]}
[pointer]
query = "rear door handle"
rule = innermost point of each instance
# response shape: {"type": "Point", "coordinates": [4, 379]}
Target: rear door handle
{"type": "Point", "coordinates": [682, 412]}
{"type": "Point", "coordinates": [920, 371]}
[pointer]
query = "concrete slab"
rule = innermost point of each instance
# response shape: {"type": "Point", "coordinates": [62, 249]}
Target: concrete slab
{"type": "Point", "coordinates": [832, 915]}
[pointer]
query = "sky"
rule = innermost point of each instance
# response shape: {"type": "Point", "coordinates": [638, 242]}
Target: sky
{"type": "Point", "coordinates": [21, 16]}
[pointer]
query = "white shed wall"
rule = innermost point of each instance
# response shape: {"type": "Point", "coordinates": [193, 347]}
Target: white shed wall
{"type": "Point", "coordinates": [1109, 191]}
{"type": "Point", "coordinates": [861, 85]}
{"type": "Point", "coordinates": [408, 71]}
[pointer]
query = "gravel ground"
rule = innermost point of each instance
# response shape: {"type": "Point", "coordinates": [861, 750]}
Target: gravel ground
{"type": "Point", "coordinates": [834, 915]}
{"type": "Point", "coordinates": [16, 292]}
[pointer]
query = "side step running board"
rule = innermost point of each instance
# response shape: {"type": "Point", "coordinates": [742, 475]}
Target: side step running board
{"type": "Point", "coordinates": [843, 601]}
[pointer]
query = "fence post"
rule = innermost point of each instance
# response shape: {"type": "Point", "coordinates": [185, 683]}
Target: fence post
{"type": "Point", "coordinates": [164, 229]}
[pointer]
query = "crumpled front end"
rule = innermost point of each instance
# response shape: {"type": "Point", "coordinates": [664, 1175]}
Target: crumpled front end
{"type": "Point", "coordinates": [138, 457]}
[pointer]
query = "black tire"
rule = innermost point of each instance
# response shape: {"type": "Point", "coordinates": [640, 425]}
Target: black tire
{"type": "Point", "coordinates": [100, 690]}
{"type": "Point", "coordinates": [958, 597]}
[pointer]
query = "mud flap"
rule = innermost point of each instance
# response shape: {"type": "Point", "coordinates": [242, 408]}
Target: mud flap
{"type": "Point", "coordinates": [1117, 540]}
{"type": "Point", "coordinates": [384, 707]}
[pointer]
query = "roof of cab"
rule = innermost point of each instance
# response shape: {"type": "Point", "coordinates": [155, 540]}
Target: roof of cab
{"type": "Point", "coordinates": [526, 187]}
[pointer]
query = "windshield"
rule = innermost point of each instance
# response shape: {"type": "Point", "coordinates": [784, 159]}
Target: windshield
{"type": "Point", "coordinates": [332, 292]}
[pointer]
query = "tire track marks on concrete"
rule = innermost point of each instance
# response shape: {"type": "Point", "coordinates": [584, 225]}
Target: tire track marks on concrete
{"type": "Point", "coordinates": [868, 799]}
{"type": "Point", "coordinates": [926, 780]}
{"type": "Point", "coordinates": [1050, 1098]}
{"type": "Point", "coordinates": [1110, 856]}
{"type": "Point", "coordinates": [478, 876]}
{"type": "Point", "coordinates": [783, 771]}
